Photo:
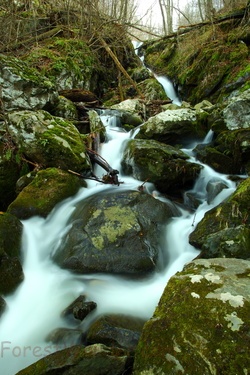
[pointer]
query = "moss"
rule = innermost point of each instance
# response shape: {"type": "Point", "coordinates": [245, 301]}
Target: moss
{"type": "Point", "coordinates": [49, 187]}
{"type": "Point", "coordinates": [22, 69]}
{"type": "Point", "coordinates": [193, 333]}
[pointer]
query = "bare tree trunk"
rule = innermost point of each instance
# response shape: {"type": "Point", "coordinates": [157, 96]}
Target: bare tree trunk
{"type": "Point", "coordinates": [163, 16]}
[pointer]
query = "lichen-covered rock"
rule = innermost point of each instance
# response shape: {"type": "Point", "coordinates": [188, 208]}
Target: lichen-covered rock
{"type": "Point", "coordinates": [131, 111]}
{"type": "Point", "coordinates": [165, 166]}
{"type": "Point", "coordinates": [236, 113]}
{"type": "Point", "coordinates": [23, 88]}
{"type": "Point", "coordinates": [116, 330]}
{"type": "Point", "coordinates": [117, 232]}
{"type": "Point", "coordinates": [11, 273]}
{"type": "Point", "coordinates": [77, 360]}
{"type": "Point", "coordinates": [173, 127]}
{"type": "Point", "coordinates": [49, 187]}
{"type": "Point", "coordinates": [201, 324]}
{"type": "Point", "coordinates": [230, 214]}
{"type": "Point", "coordinates": [152, 89]}
{"type": "Point", "coordinates": [47, 140]}
{"type": "Point", "coordinates": [228, 242]}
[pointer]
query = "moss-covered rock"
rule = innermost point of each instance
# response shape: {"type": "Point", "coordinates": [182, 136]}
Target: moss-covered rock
{"type": "Point", "coordinates": [173, 127]}
{"type": "Point", "coordinates": [201, 324]}
{"type": "Point", "coordinates": [230, 214]}
{"type": "Point", "coordinates": [118, 232]}
{"type": "Point", "coordinates": [47, 140]}
{"type": "Point", "coordinates": [93, 360]}
{"type": "Point", "coordinates": [23, 87]}
{"type": "Point", "coordinates": [11, 274]}
{"type": "Point", "coordinates": [49, 187]}
{"type": "Point", "coordinates": [164, 165]}
{"type": "Point", "coordinates": [152, 89]}
{"type": "Point", "coordinates": [67, 62]}
{"type": "Point", "coordinates": [116, 330]}
{"type": "Point", "coordinates": [65, 108]}
{"type": "Point", "coordinates": [235, 144]}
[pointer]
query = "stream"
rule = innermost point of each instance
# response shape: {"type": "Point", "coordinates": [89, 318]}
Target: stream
{"type": "Point", "coordinates": [34, 309]}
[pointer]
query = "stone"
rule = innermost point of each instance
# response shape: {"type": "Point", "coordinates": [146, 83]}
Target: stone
{"type": "Point", "coordinates": [116, 232]}
{"type": "Point", "coordinates": [95, 359]}
{"type": "Point", "coordinates": [202, 322]}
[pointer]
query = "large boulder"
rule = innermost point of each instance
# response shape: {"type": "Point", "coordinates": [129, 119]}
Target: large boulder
{"type": "Point", "coordinates": [165, 166]}
{"type": "Point", "coordinates": [24, 88]}
{"type": "Point", "coordinates": [11, 273]}
{"type": "Point", "coordinates": [47, 140]}
{"type": "Point", "coordinates": [48, 187]}
{"type": "Point", "coordinates": [173, 127]}
{"type": "Point", "coordinates": [236, 114]}
{"type": "Point", "coordinates": [201, 324]}
{"type": "Point", "coordinates": [93, 360]}
{"type": "Point", "coordinates": [224, 230]}
{"type": "Point", "coordinates": [117, 232]}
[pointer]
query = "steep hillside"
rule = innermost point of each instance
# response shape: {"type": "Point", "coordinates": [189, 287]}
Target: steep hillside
{"type": "Point", "coordinates": [207, 60]}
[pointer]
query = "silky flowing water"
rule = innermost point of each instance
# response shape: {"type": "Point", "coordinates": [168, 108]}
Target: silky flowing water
{"type": "Point", "coordinates": [34, 309]}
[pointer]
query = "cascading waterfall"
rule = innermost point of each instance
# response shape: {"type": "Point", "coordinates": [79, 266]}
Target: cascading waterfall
{"type": "Point", "coordinates": [35, 307]}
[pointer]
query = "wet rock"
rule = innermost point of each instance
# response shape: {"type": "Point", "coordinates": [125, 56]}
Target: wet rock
{"type": "Point", "coordinates": [77, 360]}
{"type": "Point", "coordinates": [165, 166]}
{"type": "Point", "coordinates": [65, 337]}
{"type": "Point", "coordinates": [79, 308]}
{"type": "Point", "coordinates": [202, 322]}
{"type": "Point", "coordinates": [213, 188]}
{"type": "Point", "coordinates": [230, 214]}
{"type": "Point", "coordinates": [2, 305]}
{"type": "Point", "coordinates": [116, 330]}
{"type": "Point", "coordinates": [117, 232]}
{"type": "Point", "coordinates": [172, 127]}
{"type": "Point", "coordinates": [209, 155]}
{"type": "Point", "coordinates": [49, 187]}
{"type": "Point", "coordinates": [235, 144]}
{"type": "Point", "coordinates": [229, 242]}
{"type": "Point", "coordinates": [11, 273]}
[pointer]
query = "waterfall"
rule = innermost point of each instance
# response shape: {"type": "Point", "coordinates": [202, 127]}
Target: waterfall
{"type": "Point", "coordinates": [34, 309]}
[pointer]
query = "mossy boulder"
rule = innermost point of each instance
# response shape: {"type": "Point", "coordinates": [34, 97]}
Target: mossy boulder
{"type": "Point", "coordinates": [95, 359]}
{"type": "Point", "coordinates": [235, 144]}
{"type": "Point", "coordinates": [47, 140]}
{"type": "Point", "coordinates": [174, 127]}
{"type": "Point", "coordinates": [165, 166]}
{"type": "Point", "coordinates": [23, 87]}
{"type": "Point", "coordinates": [227, 223]}
{"type": "Point", "coordinates": [202, 322]}
{"type": "Point", "coordinates": [116, 232]}
{"type": "Point", "coordinates": [65, 108]}
{"type": "Point", "coordinates": [116, 330]}
{"type": "Point", "coordinates": [49, 187]}
{"type": "Point", "coordinates": [11, 273]}
{"type": "Point", "coordinates": [219, 161]}
{"type": "Point", "coordinates": [152, 89]}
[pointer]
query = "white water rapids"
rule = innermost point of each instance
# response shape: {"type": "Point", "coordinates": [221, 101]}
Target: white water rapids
{"type": "Point", "coordinates": [34, 308]}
